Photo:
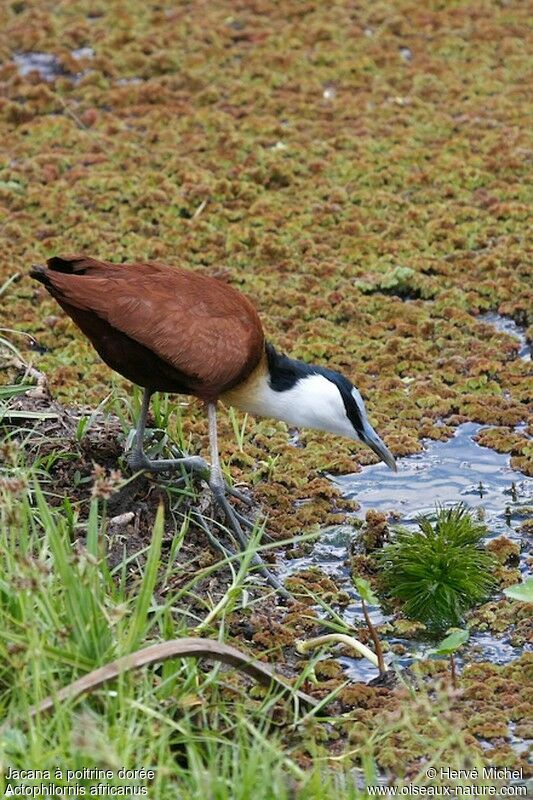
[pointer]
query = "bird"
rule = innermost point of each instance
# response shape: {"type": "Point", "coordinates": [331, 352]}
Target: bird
{"type": "Point", "coordinates": [177, 330]}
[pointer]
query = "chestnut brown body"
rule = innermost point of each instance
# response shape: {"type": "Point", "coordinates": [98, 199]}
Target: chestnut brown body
{"type": "Point", "coordinates": [161, 327]}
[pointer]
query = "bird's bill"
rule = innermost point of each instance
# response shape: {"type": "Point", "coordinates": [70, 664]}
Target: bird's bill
{"type": "Point", "coordinates": [373, 441]}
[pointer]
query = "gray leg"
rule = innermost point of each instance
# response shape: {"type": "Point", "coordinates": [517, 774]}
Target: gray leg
{"type": "Point", "coordinates": [138, 461]}
{"type": "Point", "coordinates": [218, 486]}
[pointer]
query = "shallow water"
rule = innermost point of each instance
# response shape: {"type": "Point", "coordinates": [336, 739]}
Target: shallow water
{"type": "Point", "coordinates": [509, 326]}
{"type": "Point", "coordinates": [48, 65]}
{"type": "Point", "coordinates": [445, 473]}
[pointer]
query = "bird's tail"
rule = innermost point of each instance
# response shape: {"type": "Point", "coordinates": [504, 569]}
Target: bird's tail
{"type": "Point", "coordinates": [68, 265]}
{"type": "Point", "coordinates": [40, 274]}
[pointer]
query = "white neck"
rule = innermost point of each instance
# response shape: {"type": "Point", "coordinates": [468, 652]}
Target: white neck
{"type": "Point", "coordinates": [312, 402]}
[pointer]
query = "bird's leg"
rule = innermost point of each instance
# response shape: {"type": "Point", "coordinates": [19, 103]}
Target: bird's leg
{"type": "Point", "coordinates": [138, 460]}
{"type": "Point", "coordinates": [218, 486]}
{"type": "Point", "coordinates": [217, 483]}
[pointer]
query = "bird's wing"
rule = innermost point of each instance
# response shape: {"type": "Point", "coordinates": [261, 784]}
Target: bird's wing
{"type": "Point", "coordinates": [201, 326]}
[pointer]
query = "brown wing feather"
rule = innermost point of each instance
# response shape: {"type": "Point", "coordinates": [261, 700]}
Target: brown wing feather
{"type": "Point", "coordinates": [204, 328]}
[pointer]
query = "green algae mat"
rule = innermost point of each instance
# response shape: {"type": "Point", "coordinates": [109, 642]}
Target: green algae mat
{"type": "Point", "coordinates": [360, 170]}
{"type": "Point", "coordinates": [331, 161]}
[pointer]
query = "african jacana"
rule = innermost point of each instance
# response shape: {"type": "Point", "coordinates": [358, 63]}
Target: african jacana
{"type": "Point", "coordinates": [173, 330]}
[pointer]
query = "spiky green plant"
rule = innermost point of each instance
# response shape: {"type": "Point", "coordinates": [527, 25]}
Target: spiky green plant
{"type": "Point", "coordinates": [440, 571]}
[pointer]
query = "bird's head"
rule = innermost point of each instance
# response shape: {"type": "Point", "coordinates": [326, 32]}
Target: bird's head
{"type": "Point", "coordinates": [316, 397]}
{"type": "Point", "coordinates": [339, 408]}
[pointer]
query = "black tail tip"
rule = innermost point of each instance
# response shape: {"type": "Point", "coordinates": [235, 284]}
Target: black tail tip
{"type": "Point", "coordinates": [60, 264]}
{"type": "Point", "coordinates": [39, 273]}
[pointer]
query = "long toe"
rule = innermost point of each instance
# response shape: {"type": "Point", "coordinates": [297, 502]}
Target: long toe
{"type": "Point", "coordinates": [139, 461]}
{"type": "Point", "coordinates": [253, 525]}
{"type": "Point", "coordinates": [247, 501]}
{"type": "Point", "coordinates": [221, 489]}
{"type": "Point", "coordinates": [218, 488]}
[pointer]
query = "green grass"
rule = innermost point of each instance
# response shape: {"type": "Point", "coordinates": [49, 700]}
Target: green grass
{"type": "Point", "coordinates": [204, 733]}
{"type": "Point", "coordinates": [64, 611]}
